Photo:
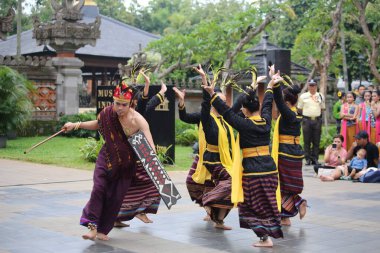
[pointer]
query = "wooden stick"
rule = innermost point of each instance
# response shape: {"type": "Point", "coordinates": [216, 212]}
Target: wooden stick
{"type": "Point", "coordinates": [42, 142]}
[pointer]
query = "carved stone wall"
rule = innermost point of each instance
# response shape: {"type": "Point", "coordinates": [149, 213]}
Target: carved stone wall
{"type": "Point", "coordinates": [43, 74]}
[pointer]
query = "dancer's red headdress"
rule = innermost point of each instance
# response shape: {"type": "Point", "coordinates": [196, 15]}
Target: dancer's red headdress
{"type": "Point", "coordinates": [123, 93]}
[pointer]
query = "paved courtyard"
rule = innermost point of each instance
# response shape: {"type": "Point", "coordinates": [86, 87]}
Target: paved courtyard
{"type": "Point", "coordinates": [40, 207]}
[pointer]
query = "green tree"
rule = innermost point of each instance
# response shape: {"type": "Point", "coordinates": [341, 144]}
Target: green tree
{"type": "Point", "coordinates": [115, 9]}
{"type": "Point", "coordinates": [368, 18]}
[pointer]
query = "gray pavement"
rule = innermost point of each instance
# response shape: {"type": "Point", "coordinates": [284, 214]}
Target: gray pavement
{"type": "Point", "coordinates": [40, 206]}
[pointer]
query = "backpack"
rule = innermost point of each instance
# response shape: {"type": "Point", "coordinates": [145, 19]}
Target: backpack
{"type": "Point", "coordinates": [372, 176]}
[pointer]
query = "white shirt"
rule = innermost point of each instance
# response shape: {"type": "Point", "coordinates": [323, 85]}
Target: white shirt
{"type": "Point", "coordinates": [311, 105]}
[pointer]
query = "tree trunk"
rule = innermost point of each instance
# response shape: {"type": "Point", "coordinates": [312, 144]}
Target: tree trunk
{"type": "Point", "coordinates": [19, 16]}
{"type": "Point", "coordinates": [239, 47]}
{"type": "Point", "coordinates": [323, 87]}
{"type": "Point", "coordinates": [330, 42]}
{"type": "Point", "coordinates": [374, 42]}
{"type": "Point", "coordinates": [343, 46]}
{"type": "Point", "coordinates": [373, 60]}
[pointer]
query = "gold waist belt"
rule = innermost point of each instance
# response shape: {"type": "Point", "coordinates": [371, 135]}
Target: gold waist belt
{"type": "Point", "coordinates": [212, 148]}
{"type": "Point", "coordinates": [289, 139]}
{"type": "Point", "coordinates": [256, 151]}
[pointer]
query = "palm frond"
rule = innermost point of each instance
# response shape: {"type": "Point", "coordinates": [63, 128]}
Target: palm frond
{"type": "Point", "coordinates": [287, 80]}
{"type": "Point", "coordinates": [253, 72]}
{"type": "Point", "coordinates": [235, 86]}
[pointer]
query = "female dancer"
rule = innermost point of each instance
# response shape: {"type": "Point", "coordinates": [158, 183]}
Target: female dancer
{"type": "Point", "coordinates": [217, 159]}
{"type": "Point", "coordinates": [196, 190]}
{"type": "Point", "coordinates": [255, 180]}
{"type": "Point", "coordinates": [288, 154]}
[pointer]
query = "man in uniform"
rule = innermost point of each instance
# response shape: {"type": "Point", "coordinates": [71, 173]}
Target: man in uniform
{"type": "Point", "coordinates": [311, 103]}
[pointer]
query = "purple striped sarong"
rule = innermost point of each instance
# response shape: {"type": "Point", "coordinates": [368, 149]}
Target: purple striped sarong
{"type": "Point", "coordinates": [259, 210]}
{"type": "Point", "coordinates": [220, 196]}
{"type": "Point", "coordinates": [196, 191]}
{"type": "Point", "coordinates": [142, 197]}
{"type": "Point", "coordinates": [114, 170]}
{"type": "Point", "coordinates": [291, 184]}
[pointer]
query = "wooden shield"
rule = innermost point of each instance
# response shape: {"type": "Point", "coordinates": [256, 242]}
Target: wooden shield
{"type": "Point", "coordinates": [154, 168]}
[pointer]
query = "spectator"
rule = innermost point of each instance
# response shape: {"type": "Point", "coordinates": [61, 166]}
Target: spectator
{"type": "Point", "coordinates": [311, 103]}
{"type": "Point", "coordinates": [335, 154]}
{"type": "Point", "coordinates": [362, 142]}
{"type": "Point", "coordinates": [359, 98]}
{"type": "Point", "coordinates": [375, 125]}
{"type": "Point", "coordinates": [365, 112]}
{"type": "Point", "coordinates": [357, 164]}
{"type": "Point", "coordinates": [349, 113]}
{"type": "Point", "coordinates": [336, 110]}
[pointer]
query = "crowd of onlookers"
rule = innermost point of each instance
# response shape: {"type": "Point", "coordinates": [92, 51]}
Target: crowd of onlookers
{"type": "Point", "coordinates": [353, 152]}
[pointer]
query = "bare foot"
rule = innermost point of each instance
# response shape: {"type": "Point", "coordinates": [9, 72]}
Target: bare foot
{"type": "Point", "coordinates": [102, 237]}
{"type": "Point", "coordinates": [326, 178]}
{"type": "Point", "coordinates": [285, 222]}
{"type": "Point", "coordinates": [207, 218]}
{"type": "Point", "coordinates": [119, 224]}
{"type": "Point", "coordinates": [143, 218]}
{"type": "Point", "coordinates": [91, 235]}
{"type": "Point", "coordinates": [302, 208]}
{"type": "Point", "coordinates": [222, 226]}
{"type": "Point", "coordinates": [267, 243]}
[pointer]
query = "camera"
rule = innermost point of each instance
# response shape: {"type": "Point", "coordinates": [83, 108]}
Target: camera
{"type": "Point", "coordinates": [334, 145]}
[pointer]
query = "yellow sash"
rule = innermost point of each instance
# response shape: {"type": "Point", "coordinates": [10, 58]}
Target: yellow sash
{"type": "Point", "coordinates": [224, 145]}
{"type": "Point", "coordinates": [201, 174]}
{"type": "Point", "coordinates": [237, 193]}
{"type": "Point", "coordinates": [275, 146]}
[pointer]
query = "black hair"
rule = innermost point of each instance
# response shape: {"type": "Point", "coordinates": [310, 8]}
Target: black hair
{"type": "Point", "coordinates": [353, 94]}
{"type": "Point", "coordinates": [291, 94]}
{"type": "Point", "coordinates": [339, 136]}
{"type": "Point", "coordinates": [370, 93]}
{"type": "Point", "coordinates": [217, 89]}
{"type": "Point", "coordinates": [341, 94]}
{"type": "Point", "coordinates": [251, 102]}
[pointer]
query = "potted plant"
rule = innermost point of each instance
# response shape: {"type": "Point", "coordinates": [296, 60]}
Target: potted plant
{"type": "Point", "coordinates": [15, 103]}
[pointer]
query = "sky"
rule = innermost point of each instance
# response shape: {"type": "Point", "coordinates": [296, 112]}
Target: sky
{"type": "Point", "coordinates": [28, 4]}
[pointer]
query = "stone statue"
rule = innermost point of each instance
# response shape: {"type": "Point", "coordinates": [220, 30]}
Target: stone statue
{"type": "Point", "coordinates": [6, 23]}
{"type": "Point", "coordinates": [68, 10]}
{"type": "Point", "coordinates": [64, 33]}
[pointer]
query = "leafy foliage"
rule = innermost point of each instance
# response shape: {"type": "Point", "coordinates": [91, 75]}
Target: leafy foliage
{"type": "Point", "coordinates": [162, 154]}
{"type": "Point", "coordinates": [186, 134]}
{"type": "Point", "coordinates": [15, 103]}
{"type": "Point", "coordinates": [90, 150]}
{"type": "Point", "coordinates": [82, 133]}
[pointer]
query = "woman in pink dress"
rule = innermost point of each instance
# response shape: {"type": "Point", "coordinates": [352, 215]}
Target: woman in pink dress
{"type": "Point", "coordinates": [365, 112]}
{"type": "Point", "coordinates": [335, 154]}
{"type": "Point", "coordinates": [349, 114]}
{"type": "Point", "coordinates": [375, 126]}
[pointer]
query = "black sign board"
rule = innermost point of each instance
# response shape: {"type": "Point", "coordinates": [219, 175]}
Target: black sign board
{"type": "Point", "coordinates": [104, 97]}
{"type": "Point", "coordinates": [162, 121]}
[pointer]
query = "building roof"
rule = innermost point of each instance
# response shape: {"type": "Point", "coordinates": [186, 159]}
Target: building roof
{"type": "Point", "coordinates": [116, 38]}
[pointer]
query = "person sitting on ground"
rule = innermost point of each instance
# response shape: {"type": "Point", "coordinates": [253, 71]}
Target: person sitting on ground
{"type": "Point", "coordinates": [335, 154]}
{"type": "Point", "coordinates": [361, 141]}
{"type": "Point", "coordinates": [357, 164]}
